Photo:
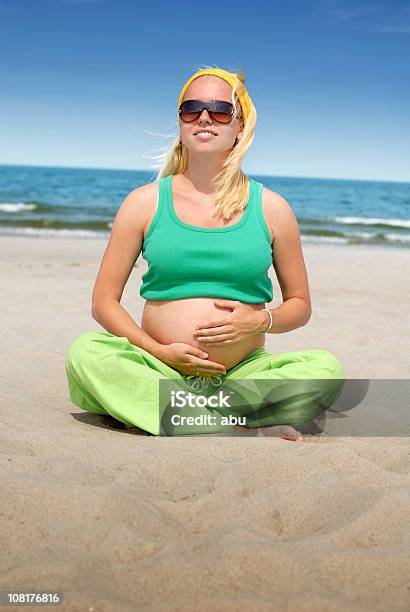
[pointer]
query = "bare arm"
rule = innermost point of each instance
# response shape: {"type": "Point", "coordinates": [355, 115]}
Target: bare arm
{"type": "Point", "coordinates": [289, 266]}
{"type": "Point", "coordinates": [123, 250]}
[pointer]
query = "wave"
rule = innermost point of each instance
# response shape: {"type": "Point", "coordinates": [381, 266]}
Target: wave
{"type": "Point", "coordinates": [16, 206]}
{"type": "Point", "coordinates": [358, 238]}
{"type": "Point", "coordinates": [398, 237]}
{"type": "Point", "coordinates": [58, 233]}
{"type": "Point", "coordinates": [316, 238]}
{"type": "Point", "coordinates": [55, 224]}
{"type": "Point", "coordinates": [312, 235]}
{"type": "Point", "coordinates": [377, 222]}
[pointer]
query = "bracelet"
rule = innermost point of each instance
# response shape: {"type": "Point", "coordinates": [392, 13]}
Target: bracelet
{"type": "Point", "coordinates": [270, 319]}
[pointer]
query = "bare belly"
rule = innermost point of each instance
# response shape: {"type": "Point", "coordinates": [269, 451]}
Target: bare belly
{"type": "Point", "coordinates": [170, 321]}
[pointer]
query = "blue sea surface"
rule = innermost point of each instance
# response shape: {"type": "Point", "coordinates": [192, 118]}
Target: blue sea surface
{"type": "Point", "coordinates": [83, 202]}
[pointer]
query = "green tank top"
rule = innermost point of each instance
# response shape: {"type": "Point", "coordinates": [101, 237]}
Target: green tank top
{"type": "Point", "coordinates": [191, 261]}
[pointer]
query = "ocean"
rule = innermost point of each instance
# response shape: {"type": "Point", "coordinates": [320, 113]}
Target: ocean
{"type": "Point", "coordinates": [50, 201]}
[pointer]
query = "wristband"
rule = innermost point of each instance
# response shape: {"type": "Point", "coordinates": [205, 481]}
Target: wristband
{"type": "Point", "coordinates": [270, 320]}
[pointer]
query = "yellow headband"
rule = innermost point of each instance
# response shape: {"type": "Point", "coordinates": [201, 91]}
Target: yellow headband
{"type": "Point", "coordinates": [244, 98]}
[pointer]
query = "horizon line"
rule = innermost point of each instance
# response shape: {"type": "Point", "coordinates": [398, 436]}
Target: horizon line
{"type": "Point", "coordinates": [147, 170]}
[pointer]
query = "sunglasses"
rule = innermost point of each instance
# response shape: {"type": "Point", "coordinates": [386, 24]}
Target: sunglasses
{"type": "Point", "coordinates": [219, 110]}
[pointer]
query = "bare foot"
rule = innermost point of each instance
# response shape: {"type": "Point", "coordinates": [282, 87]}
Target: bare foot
{"type": "Point", "coordinates": [278, 431]}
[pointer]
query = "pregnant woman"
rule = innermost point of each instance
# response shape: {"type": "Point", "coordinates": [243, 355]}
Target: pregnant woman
{"type": "Point", "coordinates": [209, 235]}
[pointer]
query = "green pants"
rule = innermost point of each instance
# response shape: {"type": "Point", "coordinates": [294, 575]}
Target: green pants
{"type": "Point", "coordinates": [107, 374]}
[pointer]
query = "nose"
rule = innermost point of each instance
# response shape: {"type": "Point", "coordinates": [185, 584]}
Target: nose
{"type": "Point", "coordinates": [203, 117]}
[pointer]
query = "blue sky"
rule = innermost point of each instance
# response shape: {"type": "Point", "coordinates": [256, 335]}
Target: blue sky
{"type": "Point", "coordinates": [95, 83]}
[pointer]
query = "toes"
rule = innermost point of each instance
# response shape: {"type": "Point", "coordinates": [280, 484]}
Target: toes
{"type": "Point", "coordinates": [286, 432]}
{"type": "Point", "coordinates": [283, 431]}
{"type": "Point", "coordinates": [293, 438]}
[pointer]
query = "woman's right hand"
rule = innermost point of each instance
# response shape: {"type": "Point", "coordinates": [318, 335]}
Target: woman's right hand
{"type": "Point", "coordinates": [189, 360]}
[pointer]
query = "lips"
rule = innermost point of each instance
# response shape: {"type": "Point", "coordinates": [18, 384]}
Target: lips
{"type": "Point", "coordinates": [206, 131]}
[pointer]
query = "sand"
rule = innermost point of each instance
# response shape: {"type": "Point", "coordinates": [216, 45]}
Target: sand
{"type": "Point", "coordinates": [122, 521]}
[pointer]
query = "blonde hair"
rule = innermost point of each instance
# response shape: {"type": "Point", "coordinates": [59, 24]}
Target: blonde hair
{"type": "Point", "coordinates": [231, 184]}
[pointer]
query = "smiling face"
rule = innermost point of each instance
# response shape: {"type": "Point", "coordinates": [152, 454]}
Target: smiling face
{"type": "Point", "coordinates": [208, 88]}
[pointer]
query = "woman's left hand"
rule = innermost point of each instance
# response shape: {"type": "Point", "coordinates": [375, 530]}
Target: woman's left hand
{"type": "Point", "coordinates": [241, 322]}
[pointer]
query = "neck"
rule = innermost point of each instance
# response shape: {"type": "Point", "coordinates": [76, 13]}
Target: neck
{"type": "Point", "coordinates": [201, 171]}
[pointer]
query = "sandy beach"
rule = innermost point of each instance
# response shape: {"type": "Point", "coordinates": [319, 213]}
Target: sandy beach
{"type": "Point", "coordinates": [117, 520]}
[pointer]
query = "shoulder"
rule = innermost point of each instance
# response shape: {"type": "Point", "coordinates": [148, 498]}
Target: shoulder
{"type": "Point", "coordinates": [139, 203]}
{"type": "Point", "coordinates": [278, 213]}
{"type": "Point", "coordinates": [143, 195]}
